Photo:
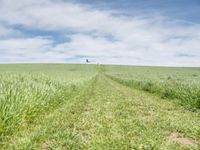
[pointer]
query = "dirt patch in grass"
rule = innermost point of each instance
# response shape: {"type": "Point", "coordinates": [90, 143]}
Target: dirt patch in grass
{"type": "Point", "coordinates": [180, 139]}
{"type": "Point", "coordinates": [44, 146]}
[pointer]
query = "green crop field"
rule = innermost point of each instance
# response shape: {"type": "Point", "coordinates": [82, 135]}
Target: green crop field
{"type": "Point", "coordinates": [68, 106]}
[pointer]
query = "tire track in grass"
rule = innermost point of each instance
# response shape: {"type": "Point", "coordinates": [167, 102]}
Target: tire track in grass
{"type": "Point", "coordinates": [121, 118]}
{"type": "Point", "coordinates": [108, 115]}
{"type": "Point", "coordinates": [98, 127]}
{"type": "Point", "coordinates": [155, 119]}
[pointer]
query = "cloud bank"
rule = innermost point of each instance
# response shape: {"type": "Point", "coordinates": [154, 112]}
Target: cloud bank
{"type": "Point", "coordinates": [60, 31]}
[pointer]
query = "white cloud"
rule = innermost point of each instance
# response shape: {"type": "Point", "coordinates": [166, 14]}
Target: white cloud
{"type": "Point", "coordinates": [28, 48]}
{"type": "Point", "coordinates": [23, 44]}
{"type": "Point", "coordinates": [6, 31]}
{"type": "Point", "coordinates": [98, 34]}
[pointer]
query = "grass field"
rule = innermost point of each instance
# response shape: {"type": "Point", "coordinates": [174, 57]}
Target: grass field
{"type": "Point", "coordinates": [60, 106]}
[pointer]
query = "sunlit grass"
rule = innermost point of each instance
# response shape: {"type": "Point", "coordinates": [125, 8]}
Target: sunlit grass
{"type": "Point", "coordinates": [180, 84]}
{"type": "Point", "coordinates": [83, 107]}
{"type": "Point", "coordinates": [31, 91]}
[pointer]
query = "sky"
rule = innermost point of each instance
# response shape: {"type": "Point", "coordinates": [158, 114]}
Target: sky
{"type": "Point", "coordinates": [132, 32]}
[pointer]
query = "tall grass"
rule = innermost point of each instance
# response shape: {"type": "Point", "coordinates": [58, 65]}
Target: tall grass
{"type": "Point", "coordinates": [180, 84]}
{"type": "Point", "coordinates": [24, 97]}
{"type": "Point", "coordinates": [27, 91]}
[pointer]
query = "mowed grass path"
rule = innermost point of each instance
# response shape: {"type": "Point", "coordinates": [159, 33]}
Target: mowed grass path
{"type": "Point", "coordinates": [108, 115]}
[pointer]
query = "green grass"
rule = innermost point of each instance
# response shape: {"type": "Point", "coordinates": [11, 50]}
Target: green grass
{"type": "Point", "coordinates": [58, 106]}
{"type": "Point", "coordinates": [180, 84]}
{"type": "Point", "coordinates": [34, 89]}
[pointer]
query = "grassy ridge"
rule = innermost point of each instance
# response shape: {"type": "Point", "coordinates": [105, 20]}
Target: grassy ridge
{"type": "Point", "coordinates": [62, 73]}
{"type": "Point", "coordinates": [30, 92]}
{"type": "Point", "coordinates": [25, 97]}
{"type": "Point", "coordinates": [183, 95]}
{"type": "Point", "coordinates": [180, 84]}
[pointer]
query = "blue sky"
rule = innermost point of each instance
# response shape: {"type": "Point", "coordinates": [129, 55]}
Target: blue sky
{"type": "Point", "coordinates": [134, 32]}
